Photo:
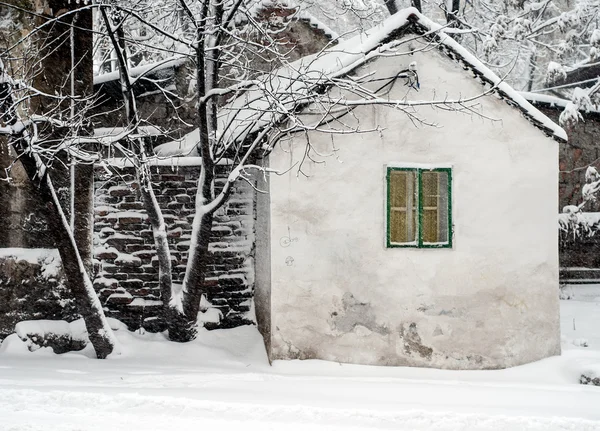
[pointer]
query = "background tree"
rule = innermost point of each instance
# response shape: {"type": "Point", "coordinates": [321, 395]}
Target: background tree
{"type": "Point", "coordinates": [45, 90]}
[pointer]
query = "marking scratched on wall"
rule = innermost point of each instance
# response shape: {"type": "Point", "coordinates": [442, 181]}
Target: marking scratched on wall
{"type": "Point", "coordinates": [286, 241]}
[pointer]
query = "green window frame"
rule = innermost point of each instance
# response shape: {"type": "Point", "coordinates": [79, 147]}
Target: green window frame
{"type": "Point", "coordinates": [419, 207]}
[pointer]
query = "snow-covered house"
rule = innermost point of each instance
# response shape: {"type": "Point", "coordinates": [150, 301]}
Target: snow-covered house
{"type": "Point", "coordinates": [423, 235]}
{"type": "Point", "coordinates": [427, 236]}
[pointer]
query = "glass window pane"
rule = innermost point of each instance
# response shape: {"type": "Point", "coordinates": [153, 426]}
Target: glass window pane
{"type": "Point", "coordinates": [403, 206]}
{"type": "Point", "coordinates": [435, 206]}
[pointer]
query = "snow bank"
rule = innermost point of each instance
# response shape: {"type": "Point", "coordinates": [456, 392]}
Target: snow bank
{"type": "Point", "coordinates": [223, 380]}
{"type": "Point", "coordinates": [55, 327]}
{"type": "Point", "coordinates": [58, 335]}
{"type": "Point", "coordinates": [49, 337]}
{"type": "Point", "coordinates": [47, 258]}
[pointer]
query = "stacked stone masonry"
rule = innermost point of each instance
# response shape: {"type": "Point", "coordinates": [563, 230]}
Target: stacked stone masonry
{"type": "Point", "coordinates": [127, 266]}
{"type": "Point", "coordinates": [32, 288]}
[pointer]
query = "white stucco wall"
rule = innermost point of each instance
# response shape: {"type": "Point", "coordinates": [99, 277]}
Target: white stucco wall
{"type": "Point", "coordinates": [491, 301]}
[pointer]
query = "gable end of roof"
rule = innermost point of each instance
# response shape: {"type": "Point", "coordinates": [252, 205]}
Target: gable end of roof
{"type": "Point", "coordinates": [416, 24]}
{"type": "Point", "coordinates": [457, 57]}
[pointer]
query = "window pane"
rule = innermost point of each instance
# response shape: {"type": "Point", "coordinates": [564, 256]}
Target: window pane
{"type": "Point", "coordinates": [403, 209]}
{"type": "Point", "coordinates": [435, 206]}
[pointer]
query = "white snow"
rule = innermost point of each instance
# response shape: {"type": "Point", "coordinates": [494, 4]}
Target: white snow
{"type": "Point", "coordinates": [31, 255]}
{"type": "Point", "coordinates": [185, 146]}
{"type": "Point", "coordinates": [127, 258]}
{"type": "Point", "coordinates": [118, 189]}
{"type": "Point", "coordinates": [173, 162]}
{"type": "Point", "coordinates": [106, 281]}
{"type": "Point", "coordinates": [105, 208]}
{"type": "Point", "coordinates": [48, 258]}
{"type": "Point", "coordinates": [316, 23]}
{"type": "Point", "coordinates": [138, 71]}
{"type": "Point", "coordinates": [555, 72]}
{"type": "Point", "coordinates": [120, 295]}
{"type": "Point", "coordinates": [142, 302]}
{"type": "Point", "coordinates": [595, 38]}
{"type": "Point", "coordinates": [28, 331]}
{"type": "Point", "coordinates": [117, 131]}
{"type": "Point", "coordinates": [223, 381]}
{"type": "Point", "coordinates": [117, 215]}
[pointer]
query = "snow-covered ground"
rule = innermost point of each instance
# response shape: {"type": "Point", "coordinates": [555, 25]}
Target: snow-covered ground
{"type": "Point", "coordinates": [223, 381]}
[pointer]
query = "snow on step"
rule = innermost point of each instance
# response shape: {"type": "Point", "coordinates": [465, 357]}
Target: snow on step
{"type": "Point", "coordinates": [142, 302]}
{"type": "Point", "coordinates": [126, 217]}
{"type": "Point", "coordinates": [118, 191]}
{"type": "Point", "coordinates": [128, 260]}
{"type": "Point", "coordinates": [106, 282]}
{"type": "Point", "coordinates": [31, 255]}
{"type": "Point", "coordinates": [103, 210]}
{"type": "Point", "coordinates": [105, 253]}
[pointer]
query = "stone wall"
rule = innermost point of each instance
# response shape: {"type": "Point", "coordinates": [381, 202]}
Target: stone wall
{"type": "Point", "coordinates": [31, 288]}
{"type": "Point", "coordinates": [127, 281]}
{"type": "Point", "coordinates": [22, 216]}
{"type": "Point", "coordinates": [575, 156]}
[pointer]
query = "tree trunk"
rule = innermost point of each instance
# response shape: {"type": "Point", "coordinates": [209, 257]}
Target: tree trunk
{"type": "Point", "coordinates": [63, 55]}
{"type": "Point", "coordinates": [83, 207]}
{"type": "Point", "coordinates": [153, 210]}
{"type": "Point", "coordinates": [193, 283]}
{"type": "Point", "coordinates": [452, 12]}
{"type": "Point", "coordinates": [159, 232]}
{"type": "Point", "coordinates": [391, 6]}
{"type": "Point", "coordinates": [82, 84]}
{"type": "Point", "coordinates": [77, 278]}
{"type": "Point", "coordinates": [198, 258]}
{"type": "Point", "coordinates": [80, 283]}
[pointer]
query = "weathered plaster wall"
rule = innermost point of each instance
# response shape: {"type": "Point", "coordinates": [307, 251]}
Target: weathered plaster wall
{"type": "Point", "coordinates": [262, 280]}
{"type": "Point", "coordinates": [489, 302]}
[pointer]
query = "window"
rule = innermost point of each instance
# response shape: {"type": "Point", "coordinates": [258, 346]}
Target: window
{"type": "Point", "coordinates": [419, 207]}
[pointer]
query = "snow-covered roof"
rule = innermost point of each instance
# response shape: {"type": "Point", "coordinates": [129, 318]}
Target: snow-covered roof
{"type": "Point", "coordinates": [265, 103]}
{"type": "Point", "coordinates": [138, 71]}
{"type": "Point", "coordinates": [254, 10]}
{"type": "Point", "coordinates": [551, 101]}
{"type": "Point", "coordinates": [259, 6]}
{"type": "Point", "coordinates": [544, 98]}
{"type": "Point", "coordinates": [145, 131]}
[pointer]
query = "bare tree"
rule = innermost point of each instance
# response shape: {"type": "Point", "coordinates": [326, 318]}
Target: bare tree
{"type": "Point", "coordinates": [43, 116]}
{"type": "Point", "coordinates": [537, 32]}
